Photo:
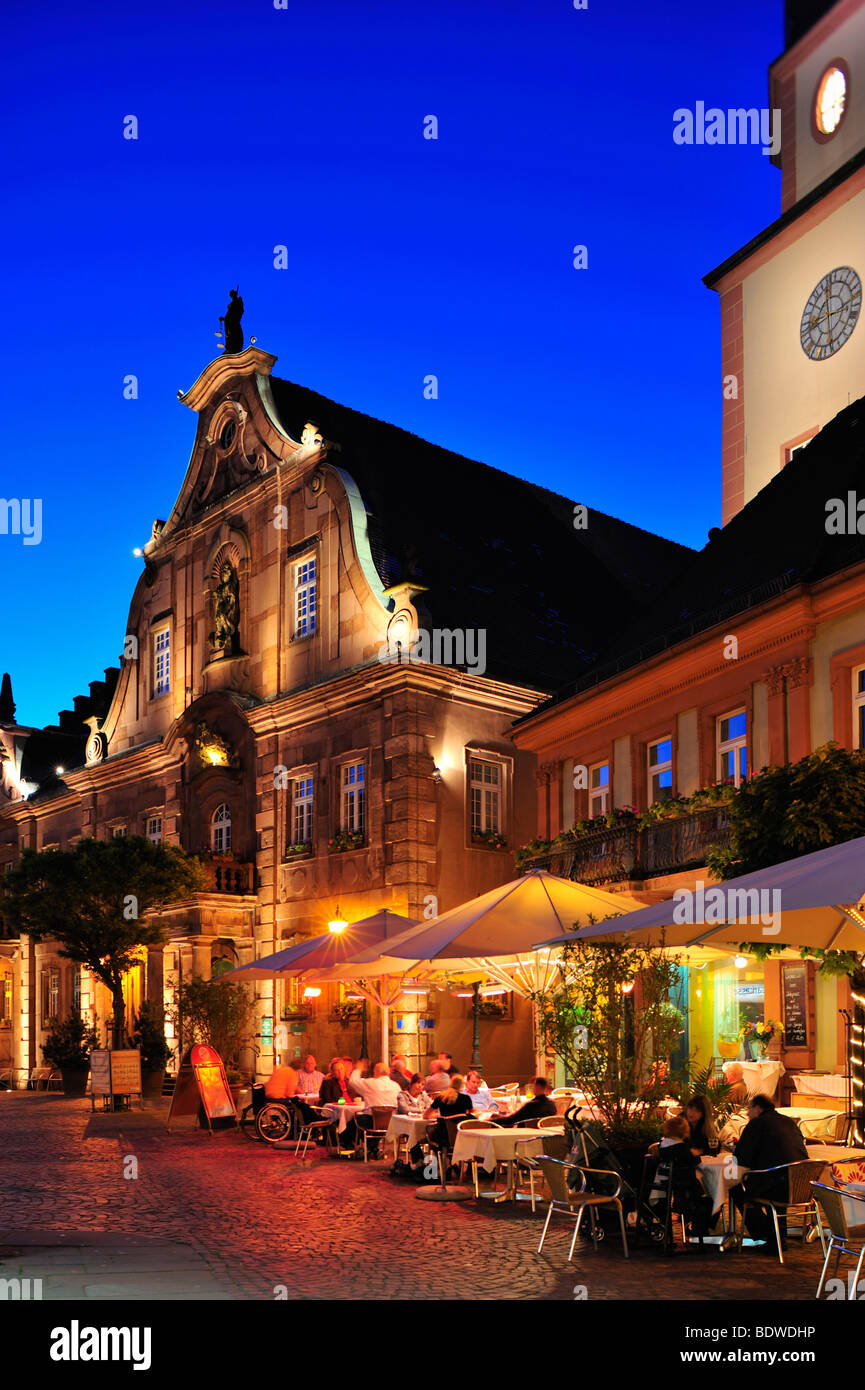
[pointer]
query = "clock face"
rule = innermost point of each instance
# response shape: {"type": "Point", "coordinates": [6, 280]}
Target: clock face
{"type": "Point", "coordinates": [831, 313]}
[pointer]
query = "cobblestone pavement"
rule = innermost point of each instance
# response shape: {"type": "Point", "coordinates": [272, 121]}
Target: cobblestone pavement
{"type": "Point", "coordinates": [225, 1218]}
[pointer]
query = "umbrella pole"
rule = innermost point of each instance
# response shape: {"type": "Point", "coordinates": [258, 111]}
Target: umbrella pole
{"type": "Point", "coordinates": [476, 1025]}
{"type": "Point", "coordinates": [385, 1029]}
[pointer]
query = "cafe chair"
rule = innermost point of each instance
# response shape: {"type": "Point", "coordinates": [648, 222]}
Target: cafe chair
{"type": "Point", "coordinates": [551, 1122]}
{"type": "Point", "coordinates": [798, 1203]}
{"type": "Point", "coordinates": [375, 1133]}
{"type": "Point", "coordinates": [845, 1238]}
{"type": "Point", "coordinates": [553, 1145]}
{"type": "Point", "coordinates": [309, 1129]}
{"type": "Point", "coordinates": [575, 1202]}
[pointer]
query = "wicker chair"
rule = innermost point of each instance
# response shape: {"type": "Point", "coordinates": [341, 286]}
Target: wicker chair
{"type": "Point", "coordinates": [845, 1239]}
{"type": "Point", "coordinates": [799, 1201]}
{"type": "Point", "coordinates": [573, 1202]}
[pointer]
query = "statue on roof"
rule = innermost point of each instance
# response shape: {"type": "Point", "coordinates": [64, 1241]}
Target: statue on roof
{"type": "Point", "coordinates": [7, 704]}
{"type": "Point", "coordinates": [230, 321]}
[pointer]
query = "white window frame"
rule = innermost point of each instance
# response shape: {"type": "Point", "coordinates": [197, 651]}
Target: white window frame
{"type": "Point", "coordinates": [302, 809]}
{"type": "Point", "coordinates": [161, 640]}
{"type": "Point", "coordinates": [220, 829]}
{"type": "Point", "coordinates": [119, 832]}
{"type": "Point", "coordinates": [5, 998]}
{"type": "Point", "coordinates": [305, 596]}
{"type": "Point", "coordinates": [858, 697]}
{"type": "Point", "coordinates": [153, 827]}
{"type": "Point", "coordinates": [352, 797]}
{"type": "Point", "coordinates": [486, 796]}
{"type": "Point", "coordinates": [655, 769]}
{"type": "Point", "coordinates": [731, 745]}
{"type": "Point", "coordinates": [599, 796]}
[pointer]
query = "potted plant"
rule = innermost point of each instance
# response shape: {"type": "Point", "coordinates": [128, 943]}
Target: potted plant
{"type": "Point", "coordinates": [493, 839]}
{"type": "Point", "coordinates": [149, 1038]}
{"type": "Point", "coordinates": [301, 850]}
{"type": "Point", "coordinates": [346, 839]}
{"type": "Point", "coordinates": [68, 1046]}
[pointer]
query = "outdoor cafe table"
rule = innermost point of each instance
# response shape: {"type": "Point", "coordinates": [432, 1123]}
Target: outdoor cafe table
{"type": "Point", "coordinates": [414, 1127]}
{"type": "Point", "coordinates": [494, 1146]}
{"type": "Point", "coordinates": [342, 1113]}
{"type": "Point", "coordinates": [721, 1172]}
{"type": "Point", "coordinates": [813, 1124]}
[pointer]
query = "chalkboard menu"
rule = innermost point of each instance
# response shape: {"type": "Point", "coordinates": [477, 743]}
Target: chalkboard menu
{"type": "Point", "coordinates": [795, 991]}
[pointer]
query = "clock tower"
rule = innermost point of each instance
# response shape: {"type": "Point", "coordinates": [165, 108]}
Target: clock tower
{"type": "Point", "coordinates": [792, 339]}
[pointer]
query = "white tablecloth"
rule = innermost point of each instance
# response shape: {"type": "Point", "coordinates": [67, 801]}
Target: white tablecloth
{"type": "Point", "coordinates": [341, 1113]}
{"type": "Point", "coordinates": [814, 1124]}
{"type": "Point", "coordinates": [493, 1146]}
{"type": "Point", "coordinates": [827, 1085]}
{"type": "Point", "coordinates": [414, 1126]}
{"type": "Point", "coordinates": [760, 1077]}
{"type": "Point", "coordinates": [719, 1174]}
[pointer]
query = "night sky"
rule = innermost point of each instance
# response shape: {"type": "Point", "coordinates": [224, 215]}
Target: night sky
{"type": "Point", "coordinates": [407, 256]}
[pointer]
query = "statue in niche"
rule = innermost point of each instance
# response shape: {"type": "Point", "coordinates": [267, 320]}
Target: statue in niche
{"type": "Point", "coordinates": [230, 321]}
{"type": "Point", "coordinates": [226, 611]}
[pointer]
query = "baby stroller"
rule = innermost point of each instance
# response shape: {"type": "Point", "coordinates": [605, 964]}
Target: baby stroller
{"type": "Point", "coordinates": [671, 1190]}
{"type": "Point", "coordinates": [589, 1149]}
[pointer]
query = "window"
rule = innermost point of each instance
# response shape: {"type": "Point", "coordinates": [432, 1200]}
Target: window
{"type": "Point", "coordinates": [76, 991]}
{"type": "Point", "coordinates": [302, 810]}
{"type": "Point", "coordinates": [486, 796]}
{"type": "Point", "coordinates": [733, 748]}
{"type": "Point", "coordinates": [599, 789]}
{"type": "Point", "coordinates": [220, 830]}
{"type": "Point", "coordinates": [660, 770]}
{"type": "Point", "coordinates": [830, 100]}
{"type": "Point", "coordinates": [161, 662]}
{"type": "Point", "coordinates": [304, 598]}
{"type": "Point", "coordinates": [859, 707]}
{"type": "Point", "coordinates": [797, 448]}
{"type": "Point", "coordinates": [352, 809]}
{"type": "Point", "coordinates": [50, 995]}
{"type": "Point", "coordinates": [118, 832]}
{"type": "Point", "coordinates": [6, 999]}
{"type": "Point", "coordinates": [153, 829]}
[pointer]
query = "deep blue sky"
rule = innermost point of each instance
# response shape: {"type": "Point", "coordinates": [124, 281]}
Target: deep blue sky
{"type": "Point", "coordinates": [304, 126]}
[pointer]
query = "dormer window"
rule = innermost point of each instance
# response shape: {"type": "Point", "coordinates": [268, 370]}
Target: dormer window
{"type": "Point", "coordinates": [161, 662]}
{"type": "Point", "coordinates": [305, 597]}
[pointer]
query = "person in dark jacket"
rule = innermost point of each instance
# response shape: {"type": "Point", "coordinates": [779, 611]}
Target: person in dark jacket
{"type": "Point", "coordinates": [767, 1141]}
{"type": "Point", "coordinates": [533, 1109]}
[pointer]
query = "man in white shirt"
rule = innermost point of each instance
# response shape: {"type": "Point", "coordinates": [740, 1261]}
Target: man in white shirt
{"type": "Point", "coordinates": [479, 1092]}
{"type": "Point", "coordinates": [309, 1078]}
{"type": "Point", "coordinates": [377, 1089]}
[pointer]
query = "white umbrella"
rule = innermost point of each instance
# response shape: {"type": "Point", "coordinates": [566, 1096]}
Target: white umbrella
{"type": "Point", "coordinates": [815, 900]}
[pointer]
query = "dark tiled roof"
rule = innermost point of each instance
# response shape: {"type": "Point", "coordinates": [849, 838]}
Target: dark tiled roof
{"type": "Point", "coordinates": [778, 540]}
{"type": "Point", "coordinates": [494, 551]}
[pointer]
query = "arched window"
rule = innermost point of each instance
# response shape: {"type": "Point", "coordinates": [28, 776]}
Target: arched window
{"type": "Point", "coordinates": [220, 830]}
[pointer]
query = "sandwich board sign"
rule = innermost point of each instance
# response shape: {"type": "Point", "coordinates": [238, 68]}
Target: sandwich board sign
{"type": "Point", "coordinates": [202, 1090]}
{"type": "Point", "coordinates": [114, 1073]}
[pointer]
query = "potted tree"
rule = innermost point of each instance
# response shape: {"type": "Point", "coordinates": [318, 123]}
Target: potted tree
{"type": "Point", "coordinates": [68, 1047]}
{"type": "Point", "coordinates": [149, 1038]}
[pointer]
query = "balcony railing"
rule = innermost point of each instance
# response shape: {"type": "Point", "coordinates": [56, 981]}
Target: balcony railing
{"type": "Point", "coordinates": [227, 876]}
{"type": "Point", "coordinates": [608, 855]}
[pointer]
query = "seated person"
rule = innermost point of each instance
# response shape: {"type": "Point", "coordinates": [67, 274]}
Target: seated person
{"type": "Point", "coordinates": [438, 1079]}
{"type": "Point", "coordinates": [534, 1109]}
{"type": "Point", "coordinates": [282, 1082]}
{"type": "Point", "coordinates": [359, 1070]}
{"type": "Point", "coordinates": [450, 1104]}
{"type": "Point", "coordinates": [735, 1078]}
{"type": "Point", "coordinates": [309, 1078]}
{"type": "Point", "coordinates": [414, 1101]}
{"type": "Point", "coordinates": [400, 1073]}
{"type": "Point", "coordinates": [447, 1063]}
{"type": "Point", "coordinates": [479, 1092]}
{"type": "Point", "coordinates": [377, 1089]}
{"type": "Point", "coordinates": [334, 1087]}
{"type": "Point", "coordinates": [677, 1161]}
{"type": "Point", "coordinates": [767, 1141]}
{"type": "Point", "coordinates": [703, 1135]}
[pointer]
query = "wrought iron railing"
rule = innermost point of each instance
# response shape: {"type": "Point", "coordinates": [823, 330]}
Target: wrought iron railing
{"type": "Point", "coordinates": [629, 851]}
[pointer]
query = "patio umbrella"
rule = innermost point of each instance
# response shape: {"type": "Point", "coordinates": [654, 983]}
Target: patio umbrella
{"type": "Point", "coordinates": [496, 932]}
{"type": "Point", "coordinates": [815, 900]}
{"type": "Point", "coordinates": [322, 953]}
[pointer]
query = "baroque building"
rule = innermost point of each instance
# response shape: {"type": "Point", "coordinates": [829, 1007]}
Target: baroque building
{"type": "Point", "coordinates": [333, 632]}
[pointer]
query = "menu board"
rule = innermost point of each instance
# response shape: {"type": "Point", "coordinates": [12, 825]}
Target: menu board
{"type": "Point", "coordinates": [794, 980]}
{"type": "Point", "coordinates": [202, 1089]}
{"type": "Point", "coordinates": [114, 1073]}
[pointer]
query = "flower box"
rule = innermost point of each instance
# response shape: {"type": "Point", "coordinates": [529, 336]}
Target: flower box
{"type": "Point", "coordinates": [346, 839]}
{"type": "Point", "coordinates": [301, 851]}
{"type": "Point", "coordinates": [491, 839]}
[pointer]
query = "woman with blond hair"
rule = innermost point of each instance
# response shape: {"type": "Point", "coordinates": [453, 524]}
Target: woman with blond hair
{"type": "Point", "coordinates": [449, 1105]}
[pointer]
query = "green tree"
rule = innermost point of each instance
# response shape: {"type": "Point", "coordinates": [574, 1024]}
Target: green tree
{"type": "Point", "coordinates": [214, 1012]}
{"type": "Point", "coordinates": [94, 900]}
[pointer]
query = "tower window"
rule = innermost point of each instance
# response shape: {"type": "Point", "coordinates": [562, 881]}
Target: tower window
{"type": "Point", "coordinates": [830, 101]}
{"type": "Point", "coordinates": [220, 830]}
